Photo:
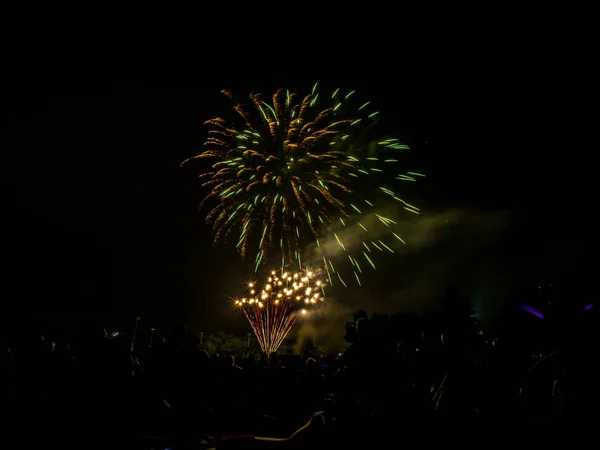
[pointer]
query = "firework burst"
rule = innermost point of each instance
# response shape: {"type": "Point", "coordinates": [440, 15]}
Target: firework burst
{"type": "Point", "coordinates": [273, 309]}
{"type": "Point", "coordinates": [295, 170]}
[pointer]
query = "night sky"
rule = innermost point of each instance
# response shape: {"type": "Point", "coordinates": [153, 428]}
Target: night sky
{"type": "Point", "coordinates": [100, 221]}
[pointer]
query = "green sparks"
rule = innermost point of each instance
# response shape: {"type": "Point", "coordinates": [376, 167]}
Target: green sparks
{"type": "Point", "coordinates": [369, 260]}
{"type": "Point", "coordinates": [298, 159]}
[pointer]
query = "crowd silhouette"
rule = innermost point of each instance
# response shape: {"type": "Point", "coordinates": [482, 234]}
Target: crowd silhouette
{"type": "Point", "coordinates": [399, 372]}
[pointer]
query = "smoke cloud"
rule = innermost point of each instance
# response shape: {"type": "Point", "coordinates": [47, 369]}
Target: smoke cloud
{"type": "Point", "coordinates": [456, 246]}
{"type": "Point", "coordinates": [323, 326]}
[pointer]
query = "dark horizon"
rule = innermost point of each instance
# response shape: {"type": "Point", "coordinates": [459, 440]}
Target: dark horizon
{"type": "Point", "coordinates": [102, 221]}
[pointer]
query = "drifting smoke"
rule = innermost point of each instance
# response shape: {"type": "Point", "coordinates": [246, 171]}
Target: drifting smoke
{"type": "Point", "coordinates": [454, 247]}
{"type": "Point", "coordinates": [324, 326]}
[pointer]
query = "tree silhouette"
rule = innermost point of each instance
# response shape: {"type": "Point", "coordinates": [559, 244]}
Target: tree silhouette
{"type": "Point", "coordinates": [456, 318]}
{"type": "Point", "coordinates": [360, 314]}
{"type": "Point", "coordinates": [351, 328]}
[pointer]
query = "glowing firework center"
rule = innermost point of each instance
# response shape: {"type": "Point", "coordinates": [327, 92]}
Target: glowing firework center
{"type": "Point", "coordinates": [273, 310]}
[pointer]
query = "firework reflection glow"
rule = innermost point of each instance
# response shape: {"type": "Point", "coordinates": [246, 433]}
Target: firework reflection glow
{"type": "Point", "coordinates": [273, 309]}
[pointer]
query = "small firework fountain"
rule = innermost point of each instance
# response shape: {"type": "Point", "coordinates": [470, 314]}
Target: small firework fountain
{"type": "Point", "coordinates": [273, 310]}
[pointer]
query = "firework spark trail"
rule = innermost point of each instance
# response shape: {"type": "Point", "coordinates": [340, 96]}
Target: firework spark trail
{"type": "Point", "coordinates": [294, 170]}
{"type": "Point", "coordinates": [273, 311]}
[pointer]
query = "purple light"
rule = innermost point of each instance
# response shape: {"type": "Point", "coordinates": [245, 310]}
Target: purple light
{"type": "Point", "coordinates": [588, 307]}
{"type": "Point", "coordinates": [533, 311]}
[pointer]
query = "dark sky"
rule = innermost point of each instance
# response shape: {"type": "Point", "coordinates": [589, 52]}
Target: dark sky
{"type": "Point", "coordinates": [100, 220]}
